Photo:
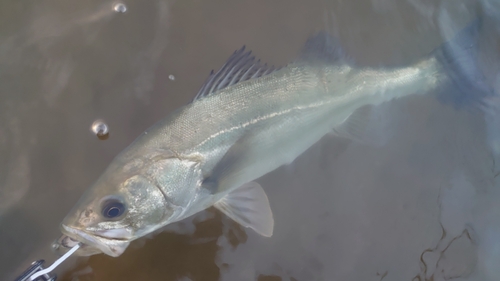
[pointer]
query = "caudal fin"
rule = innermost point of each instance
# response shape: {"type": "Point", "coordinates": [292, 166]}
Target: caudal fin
{"type": "Point", "coordinates": [459, 58]}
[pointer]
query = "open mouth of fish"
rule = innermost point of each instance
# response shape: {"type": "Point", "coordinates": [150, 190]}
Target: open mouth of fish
{"type": "Point", "coordinates": [89, 244]}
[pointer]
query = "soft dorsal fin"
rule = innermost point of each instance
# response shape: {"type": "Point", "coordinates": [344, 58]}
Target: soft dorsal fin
{"type": "Point", "coordinates": [322, 47]}
{"type": "Point", "coordinates": [240, 66]}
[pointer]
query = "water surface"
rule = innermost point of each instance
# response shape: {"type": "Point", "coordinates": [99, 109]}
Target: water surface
{"type": "Point", "coordinates": [422, 207]}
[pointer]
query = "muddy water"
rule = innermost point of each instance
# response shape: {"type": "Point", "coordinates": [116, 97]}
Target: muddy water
{"type": "Point", "coordinates": [420, 208]}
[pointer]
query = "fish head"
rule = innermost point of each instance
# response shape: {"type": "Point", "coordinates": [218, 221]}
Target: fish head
{"type": "Point", "coordinates": [123, 205]}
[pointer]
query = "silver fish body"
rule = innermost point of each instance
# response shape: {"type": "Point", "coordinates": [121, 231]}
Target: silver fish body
{"type": "Point", "coordinates": [208, 152]}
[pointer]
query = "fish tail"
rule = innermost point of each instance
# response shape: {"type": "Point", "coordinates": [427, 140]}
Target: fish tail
{"type": "Point", "coordinates": [459, 59]}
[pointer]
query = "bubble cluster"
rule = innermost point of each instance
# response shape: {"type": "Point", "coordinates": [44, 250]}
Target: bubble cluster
{"type": "Point", "coordinates": [120, 8]}
{"type": "Point", "coordinates": [100, 129]}
{"type": "Point", "coordinates": [171, 77]}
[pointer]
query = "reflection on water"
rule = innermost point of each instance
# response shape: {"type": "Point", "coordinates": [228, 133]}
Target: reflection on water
{"type": "Point", "coordinates": [422, 207]}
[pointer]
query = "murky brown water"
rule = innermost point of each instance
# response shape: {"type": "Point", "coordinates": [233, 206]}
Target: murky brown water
{"type": "Point", "coordinates": [420, 208]}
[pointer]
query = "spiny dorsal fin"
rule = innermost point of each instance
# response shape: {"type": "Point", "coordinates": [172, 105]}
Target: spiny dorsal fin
{"type": "Point", "coordinates": [240, 66]}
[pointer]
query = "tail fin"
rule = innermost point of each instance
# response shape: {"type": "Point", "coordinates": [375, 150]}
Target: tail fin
{"type": "Point", "coordinates": [459, 58]}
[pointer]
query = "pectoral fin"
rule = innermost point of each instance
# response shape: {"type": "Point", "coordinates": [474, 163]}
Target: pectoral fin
{"type": "Point", "coordinates": [248, 206]}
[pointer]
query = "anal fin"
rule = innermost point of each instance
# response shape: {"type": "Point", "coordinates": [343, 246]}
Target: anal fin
{"type": "Point", "coordinates": [369, 125]}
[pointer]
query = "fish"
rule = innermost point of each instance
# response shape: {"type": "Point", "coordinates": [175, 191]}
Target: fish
{"type": "Point", "coordinates": [247, 120]}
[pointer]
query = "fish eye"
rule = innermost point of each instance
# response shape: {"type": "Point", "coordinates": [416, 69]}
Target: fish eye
{"type": "Point", "coordinates": [113, 208]}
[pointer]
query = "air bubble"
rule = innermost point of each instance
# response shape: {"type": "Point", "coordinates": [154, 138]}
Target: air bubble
{"type": "Point", "coordinates": [171, 77]}
{"type": "Point", "coordinates": [100, 129]}
{"type": "Point", "coordinates": [120, 8]}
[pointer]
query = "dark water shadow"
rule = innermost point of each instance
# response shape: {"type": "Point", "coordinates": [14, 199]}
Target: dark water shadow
{"type": "Point", "coordinates": [168, 256]}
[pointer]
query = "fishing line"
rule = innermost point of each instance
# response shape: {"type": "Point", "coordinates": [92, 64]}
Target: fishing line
{"type": "Point", "coordinates": [56, 263]}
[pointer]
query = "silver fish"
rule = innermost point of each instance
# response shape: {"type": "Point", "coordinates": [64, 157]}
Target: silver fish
{"type": "Point", "coordinates": [247, 120]}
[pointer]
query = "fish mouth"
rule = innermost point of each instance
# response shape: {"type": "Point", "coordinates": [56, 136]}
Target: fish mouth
{"type": "Point", "coordinates": [92, 244]}
{"type": "Point", "coordinates": [64, 243]}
